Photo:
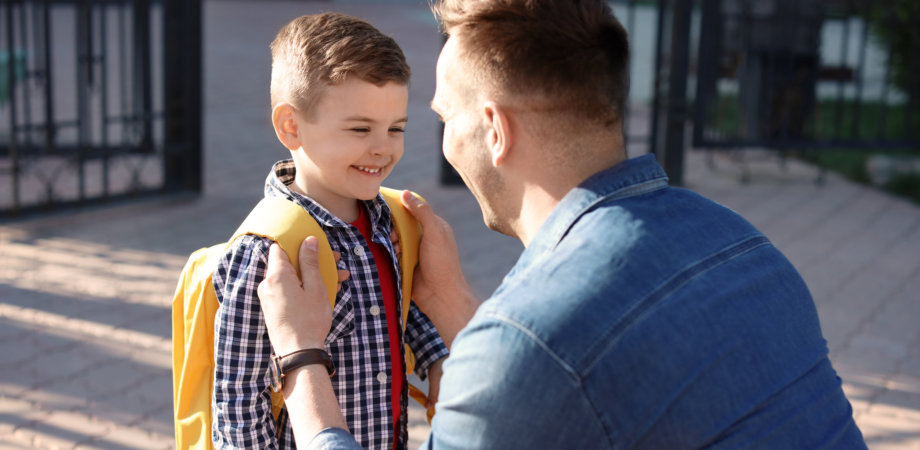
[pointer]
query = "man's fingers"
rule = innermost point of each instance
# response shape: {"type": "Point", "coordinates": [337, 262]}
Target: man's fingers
{"type": "Point", "coordinates": [343, 275]}
{"type": "Point", "coordinates": [277, 260]}
{"type": "Point", "coordinates": [418, 208]}
{"type": "Point", "coordinates": [274, 254]}
{"type": "Point", "coordinates": [309, 260]}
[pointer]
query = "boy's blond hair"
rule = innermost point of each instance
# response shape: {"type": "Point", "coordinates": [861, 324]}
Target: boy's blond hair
{"type": "Point", "coordinates": [315, 51]}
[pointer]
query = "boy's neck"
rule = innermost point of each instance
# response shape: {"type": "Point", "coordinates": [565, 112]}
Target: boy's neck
{"type": "Point", "coordinates": [346, 209]}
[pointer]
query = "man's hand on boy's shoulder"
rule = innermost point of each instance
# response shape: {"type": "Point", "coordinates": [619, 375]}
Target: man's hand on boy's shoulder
{"type": "Point", "coordinates": [438, 287]}
{"type": "Point", "coordinates": [434, 382]}
{"type": "Point", "coordinates": [282, 295]}
{"type": "Point", "coordinates": [394, 238]}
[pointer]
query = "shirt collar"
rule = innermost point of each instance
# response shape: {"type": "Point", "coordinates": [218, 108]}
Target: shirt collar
{"type": "Point", "coordinates": [278, 185]}
{"type": "Point", "coordinates": [629, 178]}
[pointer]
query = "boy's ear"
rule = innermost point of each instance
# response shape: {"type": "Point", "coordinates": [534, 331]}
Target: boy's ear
{"type": "Point", "coordinates": [500, 138]}
{"type": "Point", "coordinates": [285, 124]}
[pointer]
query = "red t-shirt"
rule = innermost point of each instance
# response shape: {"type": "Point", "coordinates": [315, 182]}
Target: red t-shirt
{"type": "Point", "coordinates": [387, 279]}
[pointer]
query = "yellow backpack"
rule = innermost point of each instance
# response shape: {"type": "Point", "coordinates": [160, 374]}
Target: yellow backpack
{"type": "Point", "coordinates": [195, 305]}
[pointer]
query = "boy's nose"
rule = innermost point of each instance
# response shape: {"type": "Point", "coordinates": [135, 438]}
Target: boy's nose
{"type": "Point", "coordinates": [381, 147]}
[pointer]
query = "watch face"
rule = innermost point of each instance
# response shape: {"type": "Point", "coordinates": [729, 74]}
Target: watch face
{"type": "Point", "coordinates": [274, 366]}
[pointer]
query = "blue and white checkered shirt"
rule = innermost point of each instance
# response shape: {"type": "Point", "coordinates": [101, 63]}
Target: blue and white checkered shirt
{"type": "Point", "coordinates": [358, 341]}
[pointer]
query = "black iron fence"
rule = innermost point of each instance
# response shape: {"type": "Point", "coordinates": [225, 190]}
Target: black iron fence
{"type": "Point", "coordinates": [98, 100]}
{"type": "Point", "coordinates": [808, 74]}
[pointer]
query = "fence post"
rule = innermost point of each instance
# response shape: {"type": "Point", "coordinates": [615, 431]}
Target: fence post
{"type": "Point", "coordinates": [674, 38]}
{"type": "Point", "coordinates": [182, 159]}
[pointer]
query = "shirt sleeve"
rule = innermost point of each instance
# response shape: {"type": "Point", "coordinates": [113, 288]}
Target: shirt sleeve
{"type": "Point", "coordinates": [503, 389]}
{"type": "Point", "coordinates": [424, 340]}
{"type": "Point", "coordinates": [241, 405]}
{"type": "Point", "coordinates": [333, 439]}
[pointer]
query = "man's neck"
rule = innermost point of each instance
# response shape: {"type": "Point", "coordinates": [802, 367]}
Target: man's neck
{"type": "Point", "coordinates": [537, 205]}
{"type": "Point", "coordinates": [550, 186]}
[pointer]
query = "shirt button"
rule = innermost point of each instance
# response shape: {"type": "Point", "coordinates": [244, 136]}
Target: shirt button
{"type": "Point", "coordinates": [375, 310]}
{"type": "Point", "coordinates": [358, 250]}
{"type": "Point", "coordinates": [382, 377]}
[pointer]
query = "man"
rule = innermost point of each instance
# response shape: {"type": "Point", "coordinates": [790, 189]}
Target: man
{"type": "Point", "coordinates": [638, 316]}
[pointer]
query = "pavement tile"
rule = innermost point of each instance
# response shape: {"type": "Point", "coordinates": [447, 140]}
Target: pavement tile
{"type": "Point", "coordinates": [61, 429]}
{"type": "Point", "coordinates": [15, 352]}
{"type": "Point", "coordinates": [898, 403]}
{"type": "Point", "coordinates": [124, 438]}
{"type": "Point", "coordinates": [119, 376]}
{"type": "Point", "coordinates": [16, 413]}
{"type": "Point", "coordinates": [418, 425]}
{"type": "Point", "coordinates": [64, 367]}
{"type": "Point", "coordinates": [911, 366]}
{"type": "Point", "coordinates": [883, 432]}
{"type": "Point", "coordinates": [7, 442]}
{"type": "Point", "coordinates": [122, 410]}
{"type": "Point", "coordinates": [895, 321]}
{"type": "Point", "coordinates": [880, 354]}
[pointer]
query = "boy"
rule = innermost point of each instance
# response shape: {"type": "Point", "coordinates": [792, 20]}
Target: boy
{"type": "Point", "coordinates": [339, 95]}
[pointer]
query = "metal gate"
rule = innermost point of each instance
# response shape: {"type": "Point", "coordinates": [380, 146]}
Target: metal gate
{"type": "Point", "coordinates": [99, 100]}
{"type": "Point", "coordinates": [808, 74]}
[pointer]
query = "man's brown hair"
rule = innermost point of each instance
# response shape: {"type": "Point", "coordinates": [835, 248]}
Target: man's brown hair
{"type": "Point", "coordinates": [571, 54]}
{"type": "Point", "coordinates": [314, 51]}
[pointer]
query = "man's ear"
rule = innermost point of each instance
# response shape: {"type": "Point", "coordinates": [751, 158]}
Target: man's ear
{"type": "Point", "coordinates": [284, 120]}
{"type": "Point", "coordinates": [500, 138]}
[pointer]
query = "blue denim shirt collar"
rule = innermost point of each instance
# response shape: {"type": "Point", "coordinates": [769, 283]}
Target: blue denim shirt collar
{"type": "Point", "coordinates": [632, 177]}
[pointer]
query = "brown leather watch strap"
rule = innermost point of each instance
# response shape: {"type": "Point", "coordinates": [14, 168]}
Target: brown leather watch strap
{"type": "Point", "coordinates": [306, 357]}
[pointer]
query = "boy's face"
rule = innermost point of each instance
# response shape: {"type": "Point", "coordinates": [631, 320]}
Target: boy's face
{"type": "Point", "coordinates": [350, 143]}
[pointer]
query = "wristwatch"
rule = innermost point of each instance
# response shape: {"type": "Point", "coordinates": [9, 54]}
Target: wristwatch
{"type": "Point", "coordinates": [279, 366]}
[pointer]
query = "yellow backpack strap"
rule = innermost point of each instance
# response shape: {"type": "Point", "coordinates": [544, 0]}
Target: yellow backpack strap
{"type": "Point", "coordinates": [409, 233]}
{"type": "Point", "coordinates": [288, 224]}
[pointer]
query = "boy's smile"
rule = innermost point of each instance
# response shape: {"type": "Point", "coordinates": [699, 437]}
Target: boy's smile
{"type": "Point", "coordinates": [348, 145]}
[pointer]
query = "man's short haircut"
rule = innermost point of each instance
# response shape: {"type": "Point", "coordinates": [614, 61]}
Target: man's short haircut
{"type": "Point", "coordinates": [570, 55]}
{"type": "Point", "coordinates": [315, 51]}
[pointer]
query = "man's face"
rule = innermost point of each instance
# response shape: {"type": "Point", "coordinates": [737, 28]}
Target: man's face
{"type": "Point", "coordinates": [352, 141]}
{"type": "Point", "coordinates": [465, 134]}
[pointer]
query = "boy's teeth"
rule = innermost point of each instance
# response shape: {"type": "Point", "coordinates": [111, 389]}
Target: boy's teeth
{"type": "Point", "coordinates": [365, 169]}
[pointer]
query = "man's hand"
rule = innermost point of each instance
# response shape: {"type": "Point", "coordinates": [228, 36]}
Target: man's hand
{"type": "Point", "coordinates": [297, 315]}
{"type": "Point", "coordinates": [438, 287]}
{"type": "Point", "coordinates": [434, 382]}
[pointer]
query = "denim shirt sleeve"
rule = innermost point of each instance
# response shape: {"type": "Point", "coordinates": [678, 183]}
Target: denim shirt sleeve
{"type": "Point", "coordinates": [497, 381]}
{"type": "Point", "coordinates": [333, 439]}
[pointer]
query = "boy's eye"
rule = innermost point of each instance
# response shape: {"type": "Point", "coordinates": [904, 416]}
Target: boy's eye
{"type": "Point", "coordinates": [361, 130]}
{"type": "Point", "coordinates": [397, 130]}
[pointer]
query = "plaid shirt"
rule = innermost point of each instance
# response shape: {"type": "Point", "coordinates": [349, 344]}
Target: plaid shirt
{"type": "Point", "coordinates": [358, 341]}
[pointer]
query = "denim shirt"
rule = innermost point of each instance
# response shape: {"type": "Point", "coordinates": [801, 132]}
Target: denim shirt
{"type": "Point", "coordinates": [642, 316]}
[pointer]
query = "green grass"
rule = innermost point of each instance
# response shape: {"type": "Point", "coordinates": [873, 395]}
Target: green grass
{"type": "Point", "coordinates": [851, 120]}
{"type": "Point", "coordinates": [907, 186]}
{"type": "Point", "coordinates": [833, 120]}
{"type": "Point", "coordinates": [852, 165]}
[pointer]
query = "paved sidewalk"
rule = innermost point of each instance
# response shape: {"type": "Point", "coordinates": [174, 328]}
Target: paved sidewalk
{"type": "Point", "coordinates": [85, 297]}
